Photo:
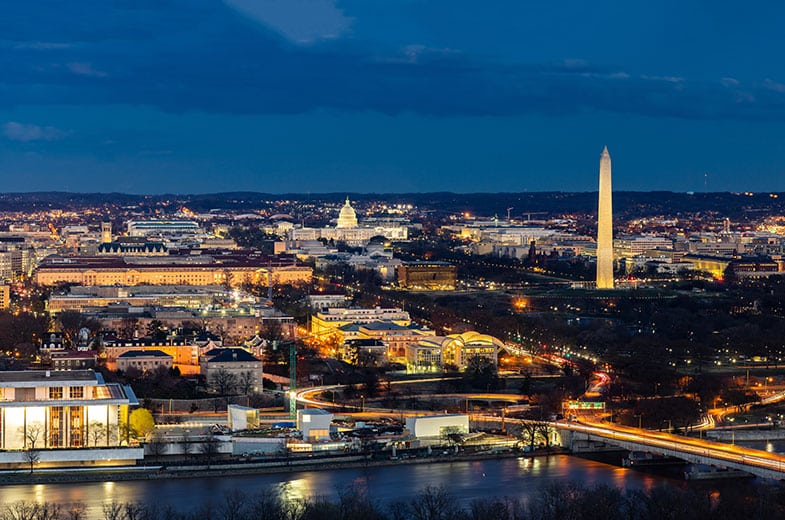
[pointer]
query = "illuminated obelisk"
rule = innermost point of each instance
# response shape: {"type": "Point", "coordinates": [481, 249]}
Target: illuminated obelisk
{"type": "Point", "coordinates": [605, 225]}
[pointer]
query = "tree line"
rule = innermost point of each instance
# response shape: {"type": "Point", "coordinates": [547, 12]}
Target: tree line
{"type": "Point", "coordinates": [557, 501]}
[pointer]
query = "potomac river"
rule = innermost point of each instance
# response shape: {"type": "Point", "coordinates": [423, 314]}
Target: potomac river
{"type": "Point", "coordinates": [466, 480]}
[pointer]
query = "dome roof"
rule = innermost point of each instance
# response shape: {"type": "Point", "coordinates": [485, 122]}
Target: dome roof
{"type": "Point", "coordinates": [347, 218]}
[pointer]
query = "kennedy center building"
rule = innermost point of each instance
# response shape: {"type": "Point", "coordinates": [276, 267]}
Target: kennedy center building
{"type": "Point", "coordinates": [605, 225]}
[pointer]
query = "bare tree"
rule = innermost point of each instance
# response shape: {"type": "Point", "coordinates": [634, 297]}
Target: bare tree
{"type": "Point", "coordinates": [75, 511]}
{"type": "Point", "coordinates": [113, 511]}
{"type": "Point", "coordinates": [32, 457]}
{"type": "Point", "coordinates": [432, 503]}
{"type": "Point", "coordinates": [223, 381]}
{"type": "Point", "coordinates": [27, 510]}
{"type": "Point", "coordinates": [544, 429]}
{"type": "Point", "coordinates": [31, 433]}
{"type": "Point", "coordinates": [128, 327]}
{"type": "Point", "coordinates": [186, 444]}
{"type": "Point", "coordinates": [245, 382]}
{"type": "Point", "coordinates": [533, 430]}
{"type": "Point", "coordinates": [209, 447]}
{"type": "Point", "coordinates": [157, 444]}
{"type": "Point", "coordinates": [96, 431]}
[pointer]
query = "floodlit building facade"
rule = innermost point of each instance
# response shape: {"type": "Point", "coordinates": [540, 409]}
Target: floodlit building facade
{"type": "Point", "coordinates": [67, 417]}
{"type": "Point", "coordinates": [427, 276]}
{"type": "Point", "coordinates": [144, 360]}
{"type": "Point", "coordinates": [459, 350]}
{"type": "Point", "coordinates": [229, 269]}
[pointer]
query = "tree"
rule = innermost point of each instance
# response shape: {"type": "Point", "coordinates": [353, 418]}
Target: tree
{"type": "Point", "coordinates": [141, 422]}
{"type": "Point", "coordinates": [451, 434]}
{"type": "Point", "coordinates": [186, 443]}
{"type": "Point", "coordinates": [96, 431]}
{"type": "Point", "coordinates": [209, 447]}
{"type": "Point", "coordinates": [156, 330]}
{"type": "Point", "coordinates": [128, 327]}
{"type": "Point", "coordinates": [32, 457]}
{"type": "Point", "coordinates": [31, 434]}
{"type": "Point", "coordinates": [223, 381]}
{"type": "Point", "coordinates": [70, 323]}
{"type": "Point", "coordinates": [433, 504]}
{"type": "Point", "coordinates": [157, 444]}
{"type": "Point", "coordinates": [271, 331]}
{"type": "Point", "coordinates": [245, 382]}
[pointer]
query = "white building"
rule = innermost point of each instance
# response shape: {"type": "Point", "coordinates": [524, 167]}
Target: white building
{"type": "Point", "coordinates": [349, 230]}
{"type": "Point", "coordinates": [436, 426]}
{"type": "Point", "coordinates": [145, 228]}
{"type": "Point", "coordinates": [314, 423]}
{"type": "Point", "coordinates": [66, 417]}
{"type": "Point", "coordinates": [329, 320]}
{"type": "Point", "coordinates": [242, 417]}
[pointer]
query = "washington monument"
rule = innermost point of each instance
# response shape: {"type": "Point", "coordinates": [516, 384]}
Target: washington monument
{"type": "Point", "coordinates": [605, 225]}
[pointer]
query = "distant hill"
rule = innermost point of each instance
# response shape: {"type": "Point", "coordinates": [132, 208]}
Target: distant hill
{"type": "Point", "coordinates": [626, 204]}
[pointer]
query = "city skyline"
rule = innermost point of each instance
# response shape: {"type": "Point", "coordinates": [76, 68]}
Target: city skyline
{"type": "Point", "coordinates": [352, 96]}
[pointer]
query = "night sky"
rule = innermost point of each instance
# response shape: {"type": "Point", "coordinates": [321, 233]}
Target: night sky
{"type": "Point", "coordinates": [193, 96]}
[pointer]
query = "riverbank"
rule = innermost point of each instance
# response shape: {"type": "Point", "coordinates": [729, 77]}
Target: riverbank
{"type": "Point", "coordinates": [169, 471]}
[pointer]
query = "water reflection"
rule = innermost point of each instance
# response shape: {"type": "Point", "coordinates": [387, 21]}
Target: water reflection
{"type": "Point", "coordinates": [516, 478]}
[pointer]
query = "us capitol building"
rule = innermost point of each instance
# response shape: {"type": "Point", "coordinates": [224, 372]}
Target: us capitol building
{"type": "Point", "coordinates": [349, 230]}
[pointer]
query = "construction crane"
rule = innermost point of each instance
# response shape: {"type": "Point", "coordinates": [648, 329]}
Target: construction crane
{"type": "Point", "coordinates": [508, 213]}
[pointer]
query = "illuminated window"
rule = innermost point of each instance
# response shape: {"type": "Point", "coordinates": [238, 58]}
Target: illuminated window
{"type": "Point", "coordinates": [76, 426]}
{"type": "Point", "coordinates": [56, 426]}
{"type": "Point", "coordinates": [77, 392]}
{"type": "Point", "coordinates": [55, 392]}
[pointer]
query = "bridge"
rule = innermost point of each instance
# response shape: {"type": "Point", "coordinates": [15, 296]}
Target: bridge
{"type": "Point", "coordinates": [697, 451]}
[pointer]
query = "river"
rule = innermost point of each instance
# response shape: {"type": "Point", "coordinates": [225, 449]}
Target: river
{"type": "Point", "coordinates": [514, 477]}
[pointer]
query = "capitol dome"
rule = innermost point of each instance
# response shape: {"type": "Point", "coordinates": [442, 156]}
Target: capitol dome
{"type": "Point", "coordinates": [347, 218]}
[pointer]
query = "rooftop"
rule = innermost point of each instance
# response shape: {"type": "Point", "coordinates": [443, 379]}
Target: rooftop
{"type": "Point", "coordinates": [144, 353]}
{"type": "Point", "coordinates": [34, 376]}
{"type": "Point", "coordinates": [230, 355]}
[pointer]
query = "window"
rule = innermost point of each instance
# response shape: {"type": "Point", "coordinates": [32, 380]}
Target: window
{"type": "Point", "coordinates": [56, 426]}
{"type": "Point", "coordinates": [55, 392]}
{"type": "Point", "coordinates": [77, 392]}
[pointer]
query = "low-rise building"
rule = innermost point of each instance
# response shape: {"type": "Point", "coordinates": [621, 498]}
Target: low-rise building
{"type": "Point", "coordinates": [423, 356]}
{"type": "Point", "coordinates": [74, 360]}
{"type": "Point", "coordinates": [427, 276]}
{"type": "Point", "coordinates": [70, 418]}
{"type": "Point", "coordinates": [458, 350]}
{"type": "Point", "coordinates": [228, 370]}
{"type": "Point", "coordinates": [437, 426]}
{"type": "Point", "coordinates": [314, 423]}
{"type": "Point", "coordinates": [329, 320]}
{"type": "Point", "coordinates": [144, 360]}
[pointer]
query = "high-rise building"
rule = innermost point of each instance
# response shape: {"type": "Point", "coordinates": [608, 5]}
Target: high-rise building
{"type": "Point", "coordinates": [605, 225]}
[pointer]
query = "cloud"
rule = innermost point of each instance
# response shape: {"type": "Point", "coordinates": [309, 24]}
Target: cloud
{"type": "Point", "coordinates": [28, 132]}
{"type": "Point", "coordinates": [85, 69]}
{"type": "Point", "coordinates": [201, 55]}
{"type": "Point", "coordinates": [301, 21]}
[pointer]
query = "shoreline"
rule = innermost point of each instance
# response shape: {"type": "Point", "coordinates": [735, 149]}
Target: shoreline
{"type": "Point", "coordinates": [165, 472]}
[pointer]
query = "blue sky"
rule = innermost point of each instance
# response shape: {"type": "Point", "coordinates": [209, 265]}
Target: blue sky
{"type": "Point", "coordinates": [192, 96]}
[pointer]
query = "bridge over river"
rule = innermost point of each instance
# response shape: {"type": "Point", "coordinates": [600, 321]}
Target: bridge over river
{"type": "Point", "coordinates": [698, 451]}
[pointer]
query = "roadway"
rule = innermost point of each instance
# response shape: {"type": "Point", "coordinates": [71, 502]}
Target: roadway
{"type": "Point", "coordinates": [758, 462]}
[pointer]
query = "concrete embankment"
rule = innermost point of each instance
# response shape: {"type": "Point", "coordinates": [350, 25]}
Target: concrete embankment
{"type": "Point", "coordinates": [746, 435]}
{"type": "Point", "coordinates": [245, 468]}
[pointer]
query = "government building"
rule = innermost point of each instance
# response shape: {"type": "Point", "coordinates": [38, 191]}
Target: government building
{"type": "Point", "coordinates": [68, 418]}
{"type": "Point", "coordinates": [348, 229]}
{"type": "Point", "coordinates": [230, 269]}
